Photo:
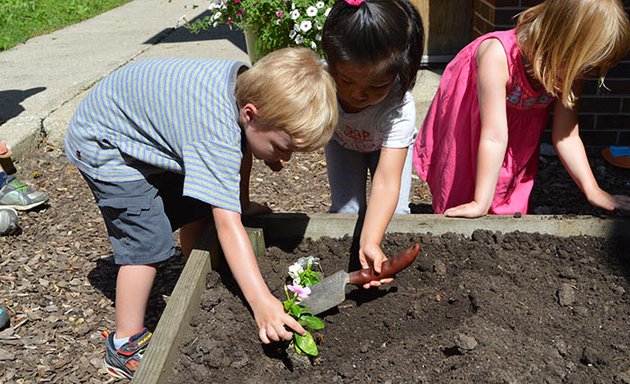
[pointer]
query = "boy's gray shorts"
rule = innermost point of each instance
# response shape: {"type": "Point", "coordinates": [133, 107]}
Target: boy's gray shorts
{"type": "Point", "coordinates": [142, 215]}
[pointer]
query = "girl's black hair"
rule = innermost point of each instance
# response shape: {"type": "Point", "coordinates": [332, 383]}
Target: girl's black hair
{"type": "Point", "coordinates": [382, 32]}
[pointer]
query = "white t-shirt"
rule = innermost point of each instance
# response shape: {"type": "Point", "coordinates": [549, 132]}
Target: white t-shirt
{"type": "Point", "coordinates": [390, 124]}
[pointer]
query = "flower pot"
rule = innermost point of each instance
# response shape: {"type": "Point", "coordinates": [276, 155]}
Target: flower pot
{"type": "Point", "coordinates": [254, 51]}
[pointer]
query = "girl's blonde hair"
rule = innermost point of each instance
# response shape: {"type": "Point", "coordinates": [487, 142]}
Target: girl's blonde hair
{"type": "Point", "coordinates": [564, 40]}
{"type": "Point", "coordinates": [293, 92]}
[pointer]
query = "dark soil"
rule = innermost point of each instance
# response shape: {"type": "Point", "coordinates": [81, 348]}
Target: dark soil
{"type": "Point", "coordinates": [515, 308]}
{"type": "Point", "coordinates": [57, 276]}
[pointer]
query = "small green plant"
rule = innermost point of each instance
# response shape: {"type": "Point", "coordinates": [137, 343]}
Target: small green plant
{"type": "Point", "coordinates": [276, 23]}
{"type": "Point", "coordinates": [302, 278]}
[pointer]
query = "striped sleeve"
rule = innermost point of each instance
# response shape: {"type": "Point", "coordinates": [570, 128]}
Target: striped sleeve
{"type": "Point", "coordinates": [212, 173]}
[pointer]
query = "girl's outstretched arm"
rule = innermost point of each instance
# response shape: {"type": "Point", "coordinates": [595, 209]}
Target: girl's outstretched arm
{"type": "Point", "coordinates": [493, 76]}
{"type": "Point", "coordinates": [570, 149]}
{"type": "Point", "coordinates": [384, 195]}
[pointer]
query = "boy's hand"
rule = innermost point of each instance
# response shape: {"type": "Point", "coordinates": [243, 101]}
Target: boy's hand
{"type": "Point", "coordinates": [253, 208]}
{"type": "Point", "coordinates": [275, 166]}
{"type": "Point", "coordinates": [469, 210]}
{"type": "Point", "coordinates": [372, 256]}
{"type": "Point", "coordinates": [272, 319]}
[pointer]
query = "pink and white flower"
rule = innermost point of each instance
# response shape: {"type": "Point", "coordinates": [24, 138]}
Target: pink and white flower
{"type": "Point", "coordinates": [302, 292]}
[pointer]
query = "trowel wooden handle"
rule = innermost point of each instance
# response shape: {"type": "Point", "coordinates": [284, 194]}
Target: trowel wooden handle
{"type": "Point", "coordinates": [389, 268]}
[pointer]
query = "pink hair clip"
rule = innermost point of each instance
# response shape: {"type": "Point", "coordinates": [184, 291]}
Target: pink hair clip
{"type": "Point", "coordinates": [355, 3]}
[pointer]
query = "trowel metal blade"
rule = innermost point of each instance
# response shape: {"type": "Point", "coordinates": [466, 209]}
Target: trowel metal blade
{"type": "Point", "coordinates": [328, 293]}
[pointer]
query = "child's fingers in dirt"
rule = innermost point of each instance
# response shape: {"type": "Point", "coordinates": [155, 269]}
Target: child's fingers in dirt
{"type": "Point", "coordinates": [268, 334]}
{"type": "Point", "coordinates": [293, 324]}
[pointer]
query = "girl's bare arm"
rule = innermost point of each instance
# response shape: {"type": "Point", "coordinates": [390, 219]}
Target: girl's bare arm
{"type": "Point", "coordinates": [383, 200]}
{"type": "Point", "coordinates": [493, 76]}
{"type": "Point", "coordinates": [570, 149]}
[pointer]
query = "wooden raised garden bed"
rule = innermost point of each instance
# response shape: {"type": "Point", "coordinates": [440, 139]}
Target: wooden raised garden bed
{"type": "Point", "coordinates": [184, 302]}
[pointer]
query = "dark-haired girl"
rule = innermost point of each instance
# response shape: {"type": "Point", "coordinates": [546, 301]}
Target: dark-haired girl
{"type": "Point", "coordinates": [373, 49]}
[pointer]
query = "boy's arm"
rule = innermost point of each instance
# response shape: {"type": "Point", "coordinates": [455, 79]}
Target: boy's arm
{"type": "Point", "coordinates": [249, 207]}
{"type": "Point", "coordinates": [383, 200]}
{"type": "Point", "coordinates": [492, 77]}
{"type": "Point", "coordinates": [568, 144]}
{"type": "Point", "coordinates": [268, 311]}
{"type": "Point", "coordinates": [246, 171]}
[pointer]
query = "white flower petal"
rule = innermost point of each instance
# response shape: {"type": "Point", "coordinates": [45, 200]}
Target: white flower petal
{"type": "Point", "coordinates": [306, 26]}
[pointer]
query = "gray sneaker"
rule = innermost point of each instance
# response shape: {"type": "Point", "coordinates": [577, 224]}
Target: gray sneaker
{"type": "Point", "coordinates": [8, 221]}
{"type": "Point", "coordinates": [17, 195]}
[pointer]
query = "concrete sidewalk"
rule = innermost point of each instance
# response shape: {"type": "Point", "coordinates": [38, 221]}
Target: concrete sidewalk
{"type": "Point", "coordinates": [43, 80]}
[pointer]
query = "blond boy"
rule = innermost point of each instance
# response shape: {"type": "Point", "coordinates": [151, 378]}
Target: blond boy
{"type": "Point", "coordinates": [161, 142]}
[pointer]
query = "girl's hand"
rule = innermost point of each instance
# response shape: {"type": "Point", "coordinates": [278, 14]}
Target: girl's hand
{"type": "Point", "coordinates": [371, 256]}
{"type": "Point", "coordinates": [470, 210]}
{"type": "Point", "coordinates": [602, 199]}
{"type": "Point", "coordinates": [272, 319]}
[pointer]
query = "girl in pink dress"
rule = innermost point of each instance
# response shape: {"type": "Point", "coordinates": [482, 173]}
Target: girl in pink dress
{"type": "Point", "coordinates": [478, 146]}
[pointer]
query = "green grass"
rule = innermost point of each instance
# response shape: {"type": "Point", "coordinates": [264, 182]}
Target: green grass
{"type": "Point", "coordinates": [22, 19]}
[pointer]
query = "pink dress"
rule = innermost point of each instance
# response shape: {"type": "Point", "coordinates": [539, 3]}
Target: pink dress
{"type": "Point", "coordinates": [445, 152]}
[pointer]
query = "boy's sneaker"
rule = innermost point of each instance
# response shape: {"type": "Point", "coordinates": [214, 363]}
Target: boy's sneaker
{"type": "Point", "coordinates": [8, 221]}
{"type": "Point", "coordinates": [17, 195]}
{"type": "Point", "coordinates": [123, 362]}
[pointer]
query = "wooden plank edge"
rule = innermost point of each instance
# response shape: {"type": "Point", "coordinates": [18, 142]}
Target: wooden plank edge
{"type": "Point", "coordinates": [288, 225]}
{"type": "Point", "coordinates": [183, 304]}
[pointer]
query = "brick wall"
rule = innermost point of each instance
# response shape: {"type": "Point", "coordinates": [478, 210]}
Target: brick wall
{"type": "Point", "coordinates": [604, 119]}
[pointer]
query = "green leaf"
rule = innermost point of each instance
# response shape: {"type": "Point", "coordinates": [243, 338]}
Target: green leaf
{"type": "Point", "coordinates": [297, 310]}
{"type": "Point", "coordinates": [307, 344]}
{"type": "Point", "coordinates": [312, 322]}
{"type": "Point", "coordinates": [310, 278]}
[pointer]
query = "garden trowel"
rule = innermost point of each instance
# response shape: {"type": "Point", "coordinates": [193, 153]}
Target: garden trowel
{"type": "Point", "coordinates": [331, 291]}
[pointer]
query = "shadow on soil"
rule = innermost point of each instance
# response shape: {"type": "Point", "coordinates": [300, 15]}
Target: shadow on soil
{"type": "Point", "coordinates": [621, 246]}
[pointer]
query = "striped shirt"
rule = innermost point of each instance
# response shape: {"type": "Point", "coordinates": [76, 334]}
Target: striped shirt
{"type": "Point", "coordinates": [172, 114]}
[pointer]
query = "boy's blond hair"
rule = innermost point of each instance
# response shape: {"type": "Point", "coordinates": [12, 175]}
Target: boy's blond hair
{"type": "Point", "coordinates": [564, 40]}
{"type": "Point", "coordinates": [294, 92]}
